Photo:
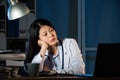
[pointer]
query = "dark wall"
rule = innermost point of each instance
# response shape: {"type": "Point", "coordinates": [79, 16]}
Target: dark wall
{"type": "Point", "coordinates": [102, 21]}
{"type": "Point", "coordinates": [57, 11]}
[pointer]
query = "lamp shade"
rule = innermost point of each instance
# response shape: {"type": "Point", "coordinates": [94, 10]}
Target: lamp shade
{"type": "Point", "coordinates": [16, 10]}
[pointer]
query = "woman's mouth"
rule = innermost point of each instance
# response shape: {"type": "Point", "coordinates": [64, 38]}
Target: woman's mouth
{"type": "Point", "coordinates": [52, 40]}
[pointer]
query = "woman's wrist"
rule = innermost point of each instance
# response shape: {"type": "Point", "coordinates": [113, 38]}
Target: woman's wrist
{"type": "Point", "coordinates": [43, 51]}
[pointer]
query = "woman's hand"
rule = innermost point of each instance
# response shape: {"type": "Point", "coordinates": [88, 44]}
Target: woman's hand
{"type": "Point", "coordinates": [42, 44]}
{"type": "Point", "coordinates": [44, 47]}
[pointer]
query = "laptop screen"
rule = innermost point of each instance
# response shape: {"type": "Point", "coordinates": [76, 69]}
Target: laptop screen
{"type": "Point", "coordinates": [107, 60]}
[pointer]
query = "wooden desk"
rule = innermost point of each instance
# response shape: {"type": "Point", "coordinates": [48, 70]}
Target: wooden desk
{"type": "Point", "coordinates": [65, 78]}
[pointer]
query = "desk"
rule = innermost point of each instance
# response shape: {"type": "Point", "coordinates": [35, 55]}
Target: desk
{"type": "Point", "coordinates": [65, 78]}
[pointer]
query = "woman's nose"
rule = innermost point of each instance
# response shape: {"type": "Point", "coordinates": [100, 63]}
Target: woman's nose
{"type": "Point", "coordinates": [49, 34]}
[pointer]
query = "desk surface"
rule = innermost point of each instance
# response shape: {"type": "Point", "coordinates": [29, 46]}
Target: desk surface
{"type": "Point", "coordinates": [65, 78]}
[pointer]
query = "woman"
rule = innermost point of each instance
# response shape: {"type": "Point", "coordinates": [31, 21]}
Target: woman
{"type": "Point", "coordinates": [53, 53]}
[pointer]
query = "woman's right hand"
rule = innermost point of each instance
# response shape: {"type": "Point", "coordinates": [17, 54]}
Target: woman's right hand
{"type": "Point", "coordinates": [43, 46]}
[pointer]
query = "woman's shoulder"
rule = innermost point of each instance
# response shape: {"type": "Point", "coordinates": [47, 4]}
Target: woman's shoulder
{"type": "Point", "coordinates": [68, 40]}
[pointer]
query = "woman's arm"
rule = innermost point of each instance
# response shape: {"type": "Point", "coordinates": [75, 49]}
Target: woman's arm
{"type": "Point", "coordinates": [40, 57]}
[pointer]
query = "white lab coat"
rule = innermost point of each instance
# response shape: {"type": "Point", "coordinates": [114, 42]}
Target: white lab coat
{"type": "Point", "coordinates": [72, 57]}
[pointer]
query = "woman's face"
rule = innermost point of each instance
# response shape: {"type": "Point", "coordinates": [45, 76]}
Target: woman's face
{"type": "Point", "coordinates": [48, 35]}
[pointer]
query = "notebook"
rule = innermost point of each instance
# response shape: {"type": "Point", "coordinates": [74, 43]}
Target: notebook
{"type": "Point", "coordinates": [107, 62]}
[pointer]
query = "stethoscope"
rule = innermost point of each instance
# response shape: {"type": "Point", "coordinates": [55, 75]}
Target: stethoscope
{"type": "Point", "coordinates": [62, 54]}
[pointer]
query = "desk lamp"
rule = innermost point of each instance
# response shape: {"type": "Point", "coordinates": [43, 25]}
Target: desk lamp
{"type": "Point", "coordinates": [16, 9]}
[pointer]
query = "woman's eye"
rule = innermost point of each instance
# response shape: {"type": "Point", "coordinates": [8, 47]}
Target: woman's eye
{"type": "Point", "coordinates": [51, 30]}
{"type": "Point", "coordinates": [44, 34]}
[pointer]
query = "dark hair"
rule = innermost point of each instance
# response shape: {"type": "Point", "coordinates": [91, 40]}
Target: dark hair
{"type": "Point", "coordinates": [33, 47]}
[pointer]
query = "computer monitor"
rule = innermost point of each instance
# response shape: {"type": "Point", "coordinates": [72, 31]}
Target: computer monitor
{"type": "Point", "coordinates": [107, 60]}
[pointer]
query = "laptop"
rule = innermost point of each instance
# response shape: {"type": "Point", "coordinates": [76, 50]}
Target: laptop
{"type": "Point", "coordinates": [107, 62]}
